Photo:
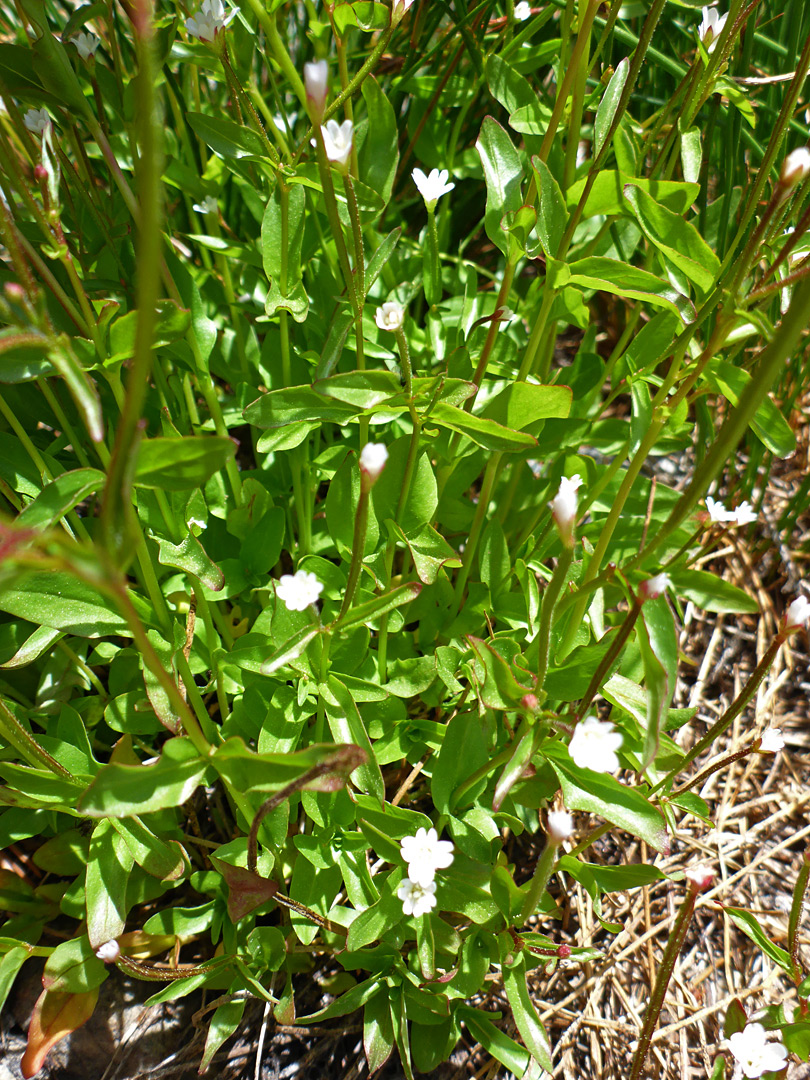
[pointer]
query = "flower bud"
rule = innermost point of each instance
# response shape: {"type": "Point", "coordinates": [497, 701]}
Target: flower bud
{"type": "Point", "coordinates": [372, 461]}
{"type": "Point", "coordinates": [700, 877]}
{"type": "Point", "coordinates": [797, 613]}
{"type": "Point", "coordinates": [560, 826]}
{"type": "Point", "coordinates": [109, 951]}
{"type": "Point", "coordinates": [654, 587]}
{"type": "Point", "coordinates": [399, 10]}
{"type": "Point", "coordinates": [530, 702]}
{"type": "Point", "coordinates": [564, 507]}
{"type": "Point", "coordinates": [795, 169]}
{"type": "Point", "coordinates": [316, 81]}
{"type": "Point", "coordinates": [40, 172]}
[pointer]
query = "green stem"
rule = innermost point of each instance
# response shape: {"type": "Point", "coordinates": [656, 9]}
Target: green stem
{"type": "Point", "coordinates": [357, 237]}
{"type": "Point", "coordinates": [540, 879]}
{"type": "Point", "coordinates": [610, 657]}
{"type": "Point", "coordinates": [795, 918]}
{"type": "Point", "coordinates": [14, 734]}
{"type": "Point", "coordinates": [551, 595]}
{"type": "Point", "coordinates": [358, 547]}
{"type": "Point", "coordinates": [475, 530]}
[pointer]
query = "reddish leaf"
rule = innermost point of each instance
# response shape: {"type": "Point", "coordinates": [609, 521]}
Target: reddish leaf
{"type": "Point", "coordinates": [246, 890]}
{"type": "Point", "coordinates": [55, 1016]}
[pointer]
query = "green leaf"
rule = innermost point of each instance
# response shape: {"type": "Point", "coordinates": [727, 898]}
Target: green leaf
{"type": "Point", "coordinates": [182, 464]}
{"type": "Point", "coordinates": [552, 216]}
{"type": "Point", "coordinates": [378, 156]}
{"type": "Point", "coordinates": [622, 279]}
{"type": "Point", "coordinates": [10, 964]}
{"type": "Point", "coordinates": [429, 551]}
{"type": "Point", "coordinates": [108, 869]}
{"type": "Point", "coordinates": [510, 1053]}
{"type": "Point", "coordinates": [292, 201]}
{"type": "Point", "coordinates": [378, 1031]}
{"type": "Point", "coordinates": [380, 605]}
{"type": "Point", "coordinates": [189, 555]}
{"type": "Point", "coordinates": [523, 406]}
{"type": "Point", "coordinates": [59, 497]}
{"type": "Point", "coordinates": [420, 507]}
{"type": "Point", "coordinates": [496, 681]}
{"type": "Point", "coordinates": [524, 1013]}
{"type": "Point", "coordinates": [658, 641]}
{"type": "Point", "coordinates": [600, 793]}
{"type": "Point", "coordinates": [292, 648]}
{"type": "Point", "coordinates": [124, 790]}
{"type": "Point", "coordinates": [360, 389]}
{"type": "Point", "coordinates": [162, 859]}
{"type": "Point", "coordinates": [378, 261]}
{"type": "Point", "coordinates": [59, 600]}
{"type": "Point", "coordinates": [81, 386]}
{"type": "Point", "coordinates": [606, 112]}
{"type": "Point", "coordinates": [347, 726]}
{"type": "Point", "coordinates": [318, 768]}
{"type": "Point", "coordinates": [503, 174]}
{"type": "Point", "coordinates": [711, 593]}
{"type": "Point", "coordinates": [691, 154]}
{"type": "Point", "coordinates": [171, 324]}
{"type": "Point", "coordinates": [678, 241]}
{"type": "Point", "coordinates": [373, 923]}
{"type": "Point", "coordinates": [278, 408]}
{"type": "Point", "coordinates": [769, 425]}
{"type": "Point", "coordinates": [226, 138]}
{"type": "Point", "coordinates": [607, 197]}
{"type": "Point", "coordinates": [364, 14]}
{"type": "Point", "coordinates": [751, 928]}
{"type": "Point", "coordinates": [484, 432]}
{"type": "Point", "coordinates": [224, 1022]}
{"type": "Point", "coordinates": [73, 967]}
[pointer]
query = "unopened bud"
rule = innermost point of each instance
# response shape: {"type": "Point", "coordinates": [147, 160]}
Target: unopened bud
{"type": "Point", "coordinates": [398, 11]}
{"type": "Point", "coordinates": [372, 461]}
{"type": "Point", "coordinates": [316, 81]}
{"type": "Point", "coordinates": [530, 702]}
{"type": "Point", "coordinates": [700, 877]}
{"type": "Point", "coordinates": [40, 172]}
{"type": "Point", "coordinates": [654, 587]}
{"type": "Point", "coordinates": [109, 952]}
{"type": "Point", "coordinates": [14, 291]}
{"type": "Point", "coordinates": [795, 169]}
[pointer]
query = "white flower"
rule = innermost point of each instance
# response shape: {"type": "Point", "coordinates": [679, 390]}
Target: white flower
{"type": "Point", "coordinates": [209, 20]}
{"type": "Point", "coordinates": [523, 11]}
{"type": "Point", "coordinates": [86, 44]}
{"type": "Point", "coordinates": [711, 27]}
{"type": "Point", "coordinates": [798, 612]}
{"type": "Point", "coordinates": [432, 187]}
{"type": "Point", "coordinates": [795, 167]}
{"type": "Point", "coordinates": [425, 853]}
{"type": "Point", "coordinates": [390, 316]}
{"type": "Point", "coordinates": [655, 586]}
{"type": "Point", "coordinates": [109, 951]}
{"type": "Point", "coordinates": [701, 876]}
{"type": "Point", "coordinates": [564, 506]}
{"type": "Point", "coordinates": [316, 81]}
{"type": "Point", "coordinates": [560, 825]}
{"type": "Point", "coordinates": [297, 591]}
{"type": "Point", "coordinates": [717, 511]}
{"type": "Point", "coordinates": [744, 514]}
{"type": "Point", "coordinates": [209, 205]}
{"type": "Point", "coordinates": [37, 120]}
{"type": "Point", "coordinates": [337, 140]}
{"type": "Point", "coordinates": [417, 899]}
{"type": "Point", "coordinates": [754, 1053]}
{"type": "Point", "coordinates": [594, 745]}
{"type": "Point", "coordinates": [373, 457]}
{"type": "Point", "coordinates": [771, 741]}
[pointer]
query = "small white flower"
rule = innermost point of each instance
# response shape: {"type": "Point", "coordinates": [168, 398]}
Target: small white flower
{"type": "Point", "coordinates": [755, 1053]}
{"type": "Point", "coordinates": [717, 511]}
{"type": "Point", "coordinates": [390, 316]}
{"type": "Point", "coordinates": [209, 20]}
{"type": "Point", "coordinates": [795, 167]}
{"type": "Point", "coordinates": [771, 741]}
{"type": "Point", "coordinates": [433, 186]}
{"type": "Point", "coordinates": [425, 853]}
{"type": "Point", "coordinates": [523, 11]}
{"type": "Point", "coordinates": [86, 44]}
{"type": "Point", "coordinates": [560, 825]}
{"type": "Point", "coordinates": [297, 591]}
{"type": "Point", "coordinates": [594, 745]}
{"type": "Point", "coordinates": [701, 876]}
{"type": "Point", "coordinates": [316, 81]}
{"type": "Point", "coordinates": [798, 612]}
{"type": "Point", "coordinates": [744, 514]}
{"type": "Point", "coordinates": [37, 120]}
{"type": "Point", "coordinates": [209, 205]}
{"type": "Point", "coordinates": [109, 951]}
{"type": "Point", "coordinates": [564, 506]}
{"type": "Point", "coordinates": [655, 586]}
{"type": "Point", "coordinates": [337, 140]}
{"type": "Point", "coordinates": [417, 899]}
{"type": "Point", "coordinates": [198, 522]}
{"type": "Point", "coordinates": [373, 457]}
{"type": "Point", "coordinates": [711, 27]}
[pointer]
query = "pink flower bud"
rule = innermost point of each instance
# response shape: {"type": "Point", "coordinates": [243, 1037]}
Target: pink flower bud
{"type": "Point", "coordinates": [654, 586]}
{"type": "Point", "coordinates": [530, 702]}
{"type": "Point", "coordinates": [316, 81]}
{"type": "Point", "coordinates": [700, 877]}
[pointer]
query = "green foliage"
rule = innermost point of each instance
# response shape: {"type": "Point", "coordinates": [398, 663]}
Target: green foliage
{"type": "Point", "coordinates": [242, 661]}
